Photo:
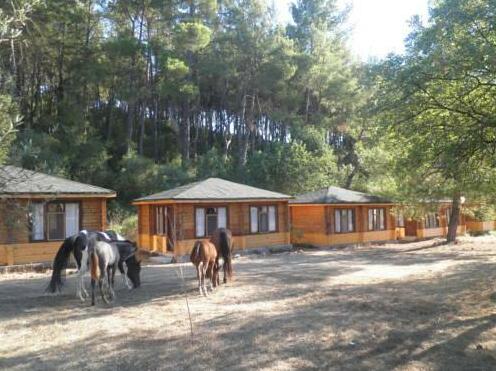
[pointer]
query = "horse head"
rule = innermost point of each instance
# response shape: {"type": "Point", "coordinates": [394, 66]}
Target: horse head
{"type": "Point", "coordinates": [133, 270]}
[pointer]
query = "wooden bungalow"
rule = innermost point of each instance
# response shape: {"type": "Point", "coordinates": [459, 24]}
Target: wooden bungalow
{"type": "Point", "coordinates": [171, 221]}
{"type": "Point", "coordinates": [433, 224]}
{"type": "Point", "coordinates": [38, 211]}
{"type": "Point", "coordinates": [337, 216]}
{"type": "Point", "coordinates": [474, 225]}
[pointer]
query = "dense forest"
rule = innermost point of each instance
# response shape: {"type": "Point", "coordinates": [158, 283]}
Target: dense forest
{"type": "Point", "coordinates": [142, 95]}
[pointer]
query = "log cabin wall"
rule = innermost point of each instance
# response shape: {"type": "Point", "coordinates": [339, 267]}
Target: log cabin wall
{"type": "Point", "coordinates": [314, 225]}
{"type": "Point", "coordinates": [417, 229]}
{"type": "Point", "coordinates": [238, 221]}
{"type": "Point", "coordinates": [15, 244]}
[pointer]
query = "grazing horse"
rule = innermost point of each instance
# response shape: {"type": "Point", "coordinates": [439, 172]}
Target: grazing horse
{"type": "Point", "coordinates": [104, 258]}
{"type": "Point", "coordinates": [204, 257]}
{"type": "Point", "coordinates": [223, 241]}
{"type": "Point", "coordinates": [79, 246]}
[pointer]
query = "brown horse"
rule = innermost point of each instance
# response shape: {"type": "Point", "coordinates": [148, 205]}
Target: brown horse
{"type": "Point", "coordinates": [204, 258]}
{"type": "Point", "coordinates": [223, 241]}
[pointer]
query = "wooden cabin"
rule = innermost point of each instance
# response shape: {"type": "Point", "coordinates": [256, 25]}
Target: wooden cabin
{"type": "Point", "coordinates": [337, 216]}
{"type": "Point", "coordinates": [433, 224]}
{"type": "Point", "coordinates": [479, 226]}
{"type": "Point", "coordinates": [171, 221]}
{"type": "Point", "coordinates": [38, 211]}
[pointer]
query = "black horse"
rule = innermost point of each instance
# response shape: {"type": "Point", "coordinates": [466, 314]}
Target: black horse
{"type": "Point", "coordinates": [79, 245]}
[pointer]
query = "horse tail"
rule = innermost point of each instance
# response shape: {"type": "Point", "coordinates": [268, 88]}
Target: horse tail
{"type": "Point", "coordinates": [195, 252]}
{"type": "Point", "coordinates": [225, 250]}
{"type": "Point", "coordinates": [95, 266]}
{"type": "Point", "coordinates": [59, 264]}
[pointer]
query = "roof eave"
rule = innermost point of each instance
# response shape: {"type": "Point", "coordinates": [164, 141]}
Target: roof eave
{"type": "Point", "coordinates": [207, 200]}
{"type": "Point", "coordinates": [57, 195]}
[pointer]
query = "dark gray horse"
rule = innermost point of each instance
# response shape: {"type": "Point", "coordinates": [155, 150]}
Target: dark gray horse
{"type": "Point", "coordinates": [104, 259]}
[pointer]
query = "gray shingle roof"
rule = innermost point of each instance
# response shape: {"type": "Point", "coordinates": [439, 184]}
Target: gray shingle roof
{"type": "Point", "coordinates": [18, 181]}
{"type": "Point", "coordinates": [336, 195]}
{"type": "Point", "coordinates": [214, 189]}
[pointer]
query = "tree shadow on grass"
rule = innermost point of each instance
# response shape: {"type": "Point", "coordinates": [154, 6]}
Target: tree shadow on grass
{"type": "Point", "coordinates": [354, 327]}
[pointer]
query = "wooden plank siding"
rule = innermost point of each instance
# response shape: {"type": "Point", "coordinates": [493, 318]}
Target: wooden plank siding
{"type": "Point", "coordinates": [15, 244]}
{"type": "Point", "coordinates": [416, 228]}
{"type": "Point", "coordinates": [238, 221]}
{"type": "Point", "coordinates": [314, 225]}
{"type": "Point", "coordinates": [480, 226]}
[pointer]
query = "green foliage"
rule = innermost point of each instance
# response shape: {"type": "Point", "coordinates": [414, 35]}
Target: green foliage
{"type": "Point", "coordinates": [8, 119]}
{"type": "Point", "coordinates": [437, 104]}
{"type": "Point", "coordinates": [192, 36]}
{"type": "Point", "coordinates": [124, 222]}
{"type": "Point", "coordinates": [292, 169]}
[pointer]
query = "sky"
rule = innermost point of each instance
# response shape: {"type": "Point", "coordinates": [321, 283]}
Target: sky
{"type": "Point", "coordinates": [378, 27]}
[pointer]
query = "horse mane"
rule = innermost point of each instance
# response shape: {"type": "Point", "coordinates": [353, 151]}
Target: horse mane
{"type": "Point", "coordinates": [60, 263]}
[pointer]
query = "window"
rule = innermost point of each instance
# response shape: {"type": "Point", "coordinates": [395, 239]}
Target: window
{"type": "Point", "coordinates": [263, 219]}
{"type": "Point", "coordinates": [431, 220]}
{"type": "Point", "coordinates": [53, 220]}
{"type": "Point", "coordinates": [208, 219]}
{"type": "Point", "coordinates": [344, 220]}
{"type": "Point", "coordinates": [161, 220]}
{"type": "Point", "coordinates": [37, 222]}
{"type": "Point", "coordinates": [377, 220]}
{"type": "Point", "coordinates": [400, 219]}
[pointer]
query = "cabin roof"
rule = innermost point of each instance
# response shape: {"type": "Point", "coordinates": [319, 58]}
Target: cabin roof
{"type": "Point", "coordinates": [18, 181]}
{"type": "Point", "coordinates": [214, 189]}
{"type": "Point", "coordinates": [336, 195]}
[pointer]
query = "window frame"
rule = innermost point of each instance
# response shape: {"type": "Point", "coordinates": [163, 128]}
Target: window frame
{"type": "Point", "coordinates": [205, 207]}
{"type": "Point", "coordinates": [165, 216]}
{"type": "Point", "coordinates": [376, 219]}
{"type": "Point", "coordinates": [399, 215]}
{"type": "Point", "coordinates": [276, 216]}
{"type": "Point", "coordinates": [353, 215]}
{"type": "Point", "coordinates": [429, 217]}
{"type": "Point", "coordinates": [45, 218]}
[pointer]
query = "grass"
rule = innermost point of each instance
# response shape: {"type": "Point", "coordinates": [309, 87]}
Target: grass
{"type": "Point", "coordinates": [416, 306]}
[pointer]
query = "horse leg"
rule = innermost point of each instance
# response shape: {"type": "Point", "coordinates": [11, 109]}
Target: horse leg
{"type": "Point", "coordinates": [109, 283]}
{"type": "Point", "coordinates": [204, 274]}
{"type": "Point", "coordinates": [127, 282]}
{"type": "Point", "coordinates": [198, 274]}
{"type": "Point", "coordinates": [82, 271]}
{"type": "Point", "coordinates": [212, 275]}
{"type": "Point", "coordinates": [114, 267]}
{"type": "Point", "coordinates": [93, 291]}
{"type": "Point", "coordinates": [101, 284]}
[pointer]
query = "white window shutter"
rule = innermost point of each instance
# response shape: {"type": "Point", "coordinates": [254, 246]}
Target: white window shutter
{"type": "Point", "coordinates": [71, 219]}
{"type": "Point", "coordinates": [272, 218]}
{"type": "Point", "coordinates": [200, 222]}
{"type": "Point", "coordinates": [337, 221]}
{"type": "Point", "coordinates": [221, 217]}
{"type": "Point", "coordinates": [381, 213]}
{"type": "Point", "coordinates": [254, 219]}
{"type": "Point", "coordinates": [38, 220]}
{"type": "Point", "coordinates": [350, 221]}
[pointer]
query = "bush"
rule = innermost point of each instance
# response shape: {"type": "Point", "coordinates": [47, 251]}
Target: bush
{"type": "Point", "coordinates": [125, 224]}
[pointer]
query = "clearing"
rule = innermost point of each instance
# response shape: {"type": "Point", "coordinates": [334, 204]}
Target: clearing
{"type": "Point", "coordinates": [415, 306]}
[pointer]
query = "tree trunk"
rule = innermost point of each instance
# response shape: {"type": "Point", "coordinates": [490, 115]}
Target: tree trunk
{"type": "Point", "coordinates": [142, 129]}
{"type": "Point", "coordinates": [184, 135]}
{"type": "Point", "coordinates": [156, 153]}
{"type": "Point", "coordinates": [454, 218]}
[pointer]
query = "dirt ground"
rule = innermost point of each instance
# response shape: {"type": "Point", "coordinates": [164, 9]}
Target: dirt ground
{"type": "Point", "coordinates": [414, 306]}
